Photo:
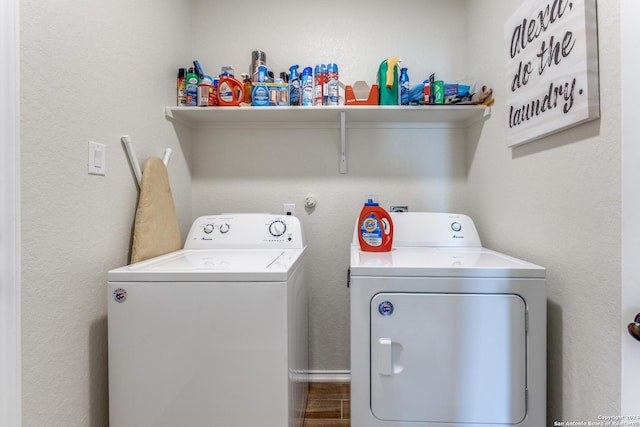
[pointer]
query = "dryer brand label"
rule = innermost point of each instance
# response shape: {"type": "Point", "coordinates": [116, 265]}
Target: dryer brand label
{"type": "Point", "coordinates": [120, 295]}
{"type": "Point", "coordinates": [385, 308]}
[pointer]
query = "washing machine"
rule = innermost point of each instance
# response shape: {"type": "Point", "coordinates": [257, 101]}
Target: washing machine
{"type": "Point", "coordinates": [444, 332]}
{"type": "Point", "coordinates": [214, 334]}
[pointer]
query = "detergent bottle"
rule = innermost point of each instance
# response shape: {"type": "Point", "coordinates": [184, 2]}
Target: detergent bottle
{"type": "Point", "coordinates": [375, 228]}
{"type": "Point", "coordinates": [230, 91]}
{"type": "Point", "coordinates": [388, 81]}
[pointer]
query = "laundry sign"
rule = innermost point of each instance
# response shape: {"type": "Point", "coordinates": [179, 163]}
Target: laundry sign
{"type": "Point", "coordinates": [551, 49]}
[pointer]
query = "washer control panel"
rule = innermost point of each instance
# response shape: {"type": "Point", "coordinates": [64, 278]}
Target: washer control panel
{"type": "Point", "coordinates": [245, 231]}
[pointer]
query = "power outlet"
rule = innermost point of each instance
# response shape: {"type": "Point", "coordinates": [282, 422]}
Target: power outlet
{"type": "Point", "coordinates": [290, 209]}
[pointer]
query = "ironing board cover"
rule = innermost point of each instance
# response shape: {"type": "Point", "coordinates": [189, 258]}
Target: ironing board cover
{"type": "Point", "coordinates": [155, 230]}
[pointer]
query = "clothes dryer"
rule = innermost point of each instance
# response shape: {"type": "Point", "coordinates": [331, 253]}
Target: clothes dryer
{"type": "Point", "coordinates": [215, 333]}
{"type": "Point", "coordinates": [444, 332]}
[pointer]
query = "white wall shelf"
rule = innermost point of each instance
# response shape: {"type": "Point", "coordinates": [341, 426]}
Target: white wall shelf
{"type": "Point", "coordinates": [339, 117]}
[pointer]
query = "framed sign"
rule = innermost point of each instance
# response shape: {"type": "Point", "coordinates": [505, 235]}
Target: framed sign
{"type": "Point", "coordinates": [551, 52]}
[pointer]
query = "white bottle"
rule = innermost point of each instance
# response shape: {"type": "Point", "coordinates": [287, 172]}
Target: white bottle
{"type": "Point", "coordinates": [307, 87]}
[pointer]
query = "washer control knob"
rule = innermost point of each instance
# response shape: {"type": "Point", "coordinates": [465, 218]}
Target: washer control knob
{"type": "Point", "coordinates": [455, 226]}
{"type": "Point", "coordinates": [277, 228]}
{"type": "Point", "coordinates": [224, 228]}
{"type": "Point", "coordinates": [208, 228]}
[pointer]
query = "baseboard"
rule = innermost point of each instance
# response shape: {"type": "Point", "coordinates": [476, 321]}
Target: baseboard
{"type": "Point", "coordinates": [330, 376]}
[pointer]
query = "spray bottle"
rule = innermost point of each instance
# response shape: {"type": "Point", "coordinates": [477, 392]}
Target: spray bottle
{"type": "Point", "coordinates": [182, 87]}
{"type": "Point", "coordinates": [333, 85]}
{"type": "Point", "coordinates": [404, 87]}
{"type": "Point", "coordinates": [307, 87]}
{"type": "Point", "coordinates": [318, 86]}
{"type": "Point", "coordinates": [388, 81]}
{"type": "Point", "coordinates": [294, 86]}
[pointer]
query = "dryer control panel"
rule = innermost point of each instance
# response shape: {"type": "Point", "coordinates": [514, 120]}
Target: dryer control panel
{"type": "Point", "coordinates": [245, 231]}
{"type": "Point", "coordinates": [419, 229]}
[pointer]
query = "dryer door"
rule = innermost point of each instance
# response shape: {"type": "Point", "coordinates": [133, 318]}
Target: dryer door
{"type": "Point", "coordinates": [449, 358]}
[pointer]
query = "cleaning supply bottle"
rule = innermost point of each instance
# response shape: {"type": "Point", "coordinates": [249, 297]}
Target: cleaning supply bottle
{"type": "Point", "coordinates": [325, 87]}
{"type": "Point", "coordinates": [230, 91]}
{"type": "Point", "coordinates": [404, 87]}
{"type": "Point", "coordinates": [182, 87]}
{"type": "Point", "coordinates": [307, 87]}
{"type": "Point", "coordinates": [333, 85]}
{"type": "Point", "coordinates": [192, 88]}
{"type": "Point", "coordinates": [206, 94]}
{"type": "Point", "coordinates": [294, 86]}
{"type": "Point", "coordinates": [318, 86]}
{"type": "Point", "coordinates": [246, 81]}
{"type": "Point", "coordinates": [375, 228]}
{"type": "Point", "coordinates": [388, 81]}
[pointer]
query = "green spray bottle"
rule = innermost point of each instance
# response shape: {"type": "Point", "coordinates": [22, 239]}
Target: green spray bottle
{"type": "Point", "coordinates": [388, 84]}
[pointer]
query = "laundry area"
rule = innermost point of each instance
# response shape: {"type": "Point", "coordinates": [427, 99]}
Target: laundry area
{"type": "Point", "coordinates": [101, 71]}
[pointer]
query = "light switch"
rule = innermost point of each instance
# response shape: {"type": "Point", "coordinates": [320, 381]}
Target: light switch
{"type": "Point", "coordinates": [97, 158]}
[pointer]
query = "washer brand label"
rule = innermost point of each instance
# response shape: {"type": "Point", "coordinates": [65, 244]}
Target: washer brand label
{"type": "Point", "coordinates": [385, 308]}
{"type": "Point", "coordinates": [120, 295]}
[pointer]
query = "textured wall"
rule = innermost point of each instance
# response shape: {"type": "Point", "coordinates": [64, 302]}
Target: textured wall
{"type": "Point", "coordinates": [89, 71]}
{"type": "Point", "coordinates": [259, 170]}
{"type": "Point", "coordinates": [556, 202]}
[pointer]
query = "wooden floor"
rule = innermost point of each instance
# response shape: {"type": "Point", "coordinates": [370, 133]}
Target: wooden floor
{"type": "Point", "coordinates": [328, 405]}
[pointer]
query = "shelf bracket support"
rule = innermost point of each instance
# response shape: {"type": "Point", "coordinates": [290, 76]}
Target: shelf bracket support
{"type": "Point", "coordinates": [343, 142]}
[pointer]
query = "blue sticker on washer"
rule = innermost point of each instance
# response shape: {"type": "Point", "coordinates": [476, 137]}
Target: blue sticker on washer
{"type": "Point", "coordinates": [385, 308]}
{"type": "Point", "coordinates": [120, 295]}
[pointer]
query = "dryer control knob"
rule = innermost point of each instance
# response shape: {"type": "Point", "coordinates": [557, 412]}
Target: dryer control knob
{"type": "Point", "coordinates": [224, 228]}
{"type": "Point", "coordinates": [455, 226]}
{"type": "Point", "coordinates": [277, 228]}
{"type": "Point", "coordinates": [208, 228]}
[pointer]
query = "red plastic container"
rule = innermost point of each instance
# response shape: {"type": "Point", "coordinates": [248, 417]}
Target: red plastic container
{"type": "Point", "coordinates": [230, 92]}
{"type": "Point", "coordinates": [375, 228]}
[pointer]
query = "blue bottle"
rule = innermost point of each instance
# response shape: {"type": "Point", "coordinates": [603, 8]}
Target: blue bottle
{"type": "Point", "coordinates": [404, 87]}
{"type": "Point", "coordinates": [307, 87]}
{"type": "Point", "coordinates": [294, 86]}
{"type": "Point", "coordinates": [333, 85]}
{"type": "Point", "coordinates": [325, 85]}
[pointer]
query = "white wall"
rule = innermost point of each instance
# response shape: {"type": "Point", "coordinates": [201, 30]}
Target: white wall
{"type": "Point", "coordinates": [556, 202]}
{"type": "Point", "coordinates": [259, 170]}
{"type": "Point", "coordinates": [90, 71]}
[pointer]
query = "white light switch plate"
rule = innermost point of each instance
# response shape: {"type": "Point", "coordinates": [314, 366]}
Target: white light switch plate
{"type": "Point", "coordinates": [97, 158]}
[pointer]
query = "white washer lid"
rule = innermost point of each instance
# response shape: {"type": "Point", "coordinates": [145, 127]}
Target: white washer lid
{"type": "Point", "coordinates": [440, 262]}
{"type": "Point", "coordinates": [215, 265]}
